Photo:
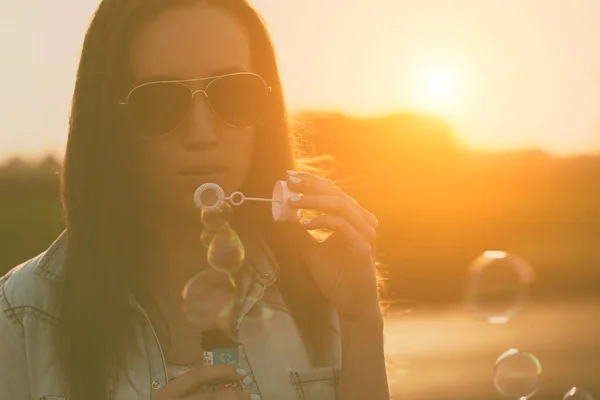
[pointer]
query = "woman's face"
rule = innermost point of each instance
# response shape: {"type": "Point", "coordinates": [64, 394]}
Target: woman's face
{"type": "Point", "coordinates": [191, 42]}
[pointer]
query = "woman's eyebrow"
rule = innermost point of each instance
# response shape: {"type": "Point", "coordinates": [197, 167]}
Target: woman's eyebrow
{"type": "Point", "coordinates": [155, 78]}
{"type": "Point", "coordinates": [229, 70]}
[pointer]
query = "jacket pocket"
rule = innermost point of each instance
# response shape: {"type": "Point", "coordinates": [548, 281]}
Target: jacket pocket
{"type": "Point", "coordinates": [319, 383]}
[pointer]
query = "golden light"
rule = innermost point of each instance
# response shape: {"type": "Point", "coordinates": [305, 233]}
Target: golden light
{"type": "Point", "coordinates": [495, 254]}
{"type": "Point", "coordinates": [439, 88]}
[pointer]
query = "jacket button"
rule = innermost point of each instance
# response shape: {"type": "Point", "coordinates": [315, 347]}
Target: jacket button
{"type": "Point", "coordinates": [156, 384]}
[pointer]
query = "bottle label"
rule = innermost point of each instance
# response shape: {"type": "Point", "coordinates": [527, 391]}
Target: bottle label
{"type": "Point", "coordinates": [221, 356]}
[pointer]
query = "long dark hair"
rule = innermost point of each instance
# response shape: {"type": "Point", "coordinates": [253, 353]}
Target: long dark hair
{"type": "Point", "coordinates": [103, 225]}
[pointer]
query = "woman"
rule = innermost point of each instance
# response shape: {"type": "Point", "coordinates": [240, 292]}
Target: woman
{"type": "Point", "coordinates": [171, 94]}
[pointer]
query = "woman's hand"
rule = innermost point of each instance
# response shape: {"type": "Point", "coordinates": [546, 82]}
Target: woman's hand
{"type": "Point", "coordinates": [342, 266]}
{"type": "Point", "coordinates": [199, 384]}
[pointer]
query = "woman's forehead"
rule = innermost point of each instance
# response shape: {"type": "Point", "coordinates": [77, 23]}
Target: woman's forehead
{"type": "Point", "coordinates": [190, 42]}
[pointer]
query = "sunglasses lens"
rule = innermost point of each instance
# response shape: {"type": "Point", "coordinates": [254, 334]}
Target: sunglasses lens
{"type": "Point", "coordinates": [239, 99]}
{"type": "Point", "coordinates": [157, 108]}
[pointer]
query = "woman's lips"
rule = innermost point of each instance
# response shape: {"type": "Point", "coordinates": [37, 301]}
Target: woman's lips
{"type": "Point", "coordinates": [202, 170]}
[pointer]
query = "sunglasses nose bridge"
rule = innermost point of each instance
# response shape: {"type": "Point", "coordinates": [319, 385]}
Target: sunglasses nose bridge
{"type": "Point", "coordinates": [205, 97]}
{"type": "Point", "coordinates": [194, 92]}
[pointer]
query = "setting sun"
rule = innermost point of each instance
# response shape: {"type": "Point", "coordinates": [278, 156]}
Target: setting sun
{"type": "Point", "coordinates": [439, 89]}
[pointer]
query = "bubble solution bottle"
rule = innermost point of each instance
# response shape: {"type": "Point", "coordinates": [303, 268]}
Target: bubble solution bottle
{"type": "Point", "coordinates": [219, 348]}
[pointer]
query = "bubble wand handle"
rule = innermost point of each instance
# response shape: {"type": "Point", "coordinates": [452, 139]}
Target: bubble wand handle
{"type": "Point", "coordinates": [261, 199]}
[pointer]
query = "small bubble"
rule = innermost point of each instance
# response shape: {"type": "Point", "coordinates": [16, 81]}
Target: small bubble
{"type": "Point", "coordinates": [219, 218]}
{"type": "Point", "coordinates": [578, 394]}
{"type": "Point", "coordinates": [498, 286]}
{"type": "Point", "coordinates": [517, 374]}
{"type": "Point", "coordinates": [209, 299]}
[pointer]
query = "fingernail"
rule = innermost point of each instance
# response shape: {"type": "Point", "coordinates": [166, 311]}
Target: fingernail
{"type": "Point", "coordinates": [242, 372]}
{"type": "Point", "coordinates": [295, 198]}
{"type": "Point", "coordinates": [255, 397]}
{"type": "Point", "coordinates": [306, 221]}
{"type": "Point", "coordinates": [292, 173]}
{"type": "Point", "coordinates": [293, 179]}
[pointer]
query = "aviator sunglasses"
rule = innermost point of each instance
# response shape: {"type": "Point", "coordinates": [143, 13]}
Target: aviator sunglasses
{"type": "Point", "coordinates": [157, 108]}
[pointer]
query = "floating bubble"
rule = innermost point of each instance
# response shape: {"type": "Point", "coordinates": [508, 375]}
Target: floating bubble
{"type": "Point", "coordinates": [209, 299]}
{"type": "Point", "coordinates": [578, 394]}
{"type": "Point", "coordinates": [498, 286]}
{"type": "Point", "coordinates": [226, 251]}
{"type": "Point", "coordinates": [517, 374]}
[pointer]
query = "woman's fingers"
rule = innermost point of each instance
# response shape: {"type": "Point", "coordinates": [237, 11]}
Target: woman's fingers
{"type": "Point", "coordinates": [338, 207]}
{"type": "Point", "coordinates": [307, 183]}
{"type": "Point", "coordinates": [223, 395]}
{"type": "Point", "coordinates": [193, 380]}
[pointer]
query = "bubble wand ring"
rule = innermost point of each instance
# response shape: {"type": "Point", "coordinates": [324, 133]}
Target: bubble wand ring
{"type": "Point", "coordinates": [236, 198]}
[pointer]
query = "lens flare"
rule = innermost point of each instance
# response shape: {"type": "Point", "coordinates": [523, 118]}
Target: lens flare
{"type": "Point", "coordinates": [576, 393]}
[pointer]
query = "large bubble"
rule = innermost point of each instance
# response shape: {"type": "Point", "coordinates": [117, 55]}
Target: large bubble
{"type": "Point", "coordinates": [498, 286]}
{"type": "Point", "coordinates": [209, 299]}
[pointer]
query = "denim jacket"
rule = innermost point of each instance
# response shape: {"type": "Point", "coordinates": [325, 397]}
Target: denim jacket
{"type": "Point", "coordinates": [270, 348]}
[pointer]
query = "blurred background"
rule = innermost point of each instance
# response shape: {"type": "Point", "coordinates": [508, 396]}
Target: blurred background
{"type": "Point", "coordinates": [465, 126]}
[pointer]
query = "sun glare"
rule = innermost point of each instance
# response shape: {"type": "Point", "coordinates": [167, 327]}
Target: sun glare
{"type": "Point", "coordinates": [440, 86]}
{"type": "Point", "coordinates": [439, 89]}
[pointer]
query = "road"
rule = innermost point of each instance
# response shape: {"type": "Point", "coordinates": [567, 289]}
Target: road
{"type": "Point", "coordinates": [445, 354]}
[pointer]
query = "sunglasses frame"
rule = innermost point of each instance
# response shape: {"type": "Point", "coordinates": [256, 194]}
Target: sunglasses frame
{"type": "Point", "coordinates": [183, 82]}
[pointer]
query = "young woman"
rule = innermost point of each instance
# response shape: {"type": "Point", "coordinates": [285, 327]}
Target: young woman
{"type": "Point", "coordinates": [171, 94]}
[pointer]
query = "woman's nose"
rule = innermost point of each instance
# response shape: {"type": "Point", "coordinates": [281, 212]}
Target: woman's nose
{"type": "Point", "coordinates": [201, 125]}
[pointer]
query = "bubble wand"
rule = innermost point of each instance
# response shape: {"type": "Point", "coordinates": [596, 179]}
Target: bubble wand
{"type": "Point", "coordinates": [280, 208]}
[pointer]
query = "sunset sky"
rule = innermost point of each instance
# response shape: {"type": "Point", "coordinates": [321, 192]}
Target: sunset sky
{"type": "Point", "coordinates": [506, 74]}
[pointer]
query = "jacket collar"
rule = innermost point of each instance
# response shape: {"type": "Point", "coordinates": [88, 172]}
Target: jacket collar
{"type": "Point", "coordinates": [52, 262]}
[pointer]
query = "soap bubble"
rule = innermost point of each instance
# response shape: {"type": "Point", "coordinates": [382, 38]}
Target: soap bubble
{"type": "Point", "coordinates": [498, 286]}
{"type": "Point", "coordinates": [209, 299]}
{"type": "Point", "coordinates": [217, 219]}
{"type": "Point", "coordinates": [578, 394]}
{"type": "Point", "coordinates": [517, 374]}
{"type": "Point", "coordinates": [226, 251]}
